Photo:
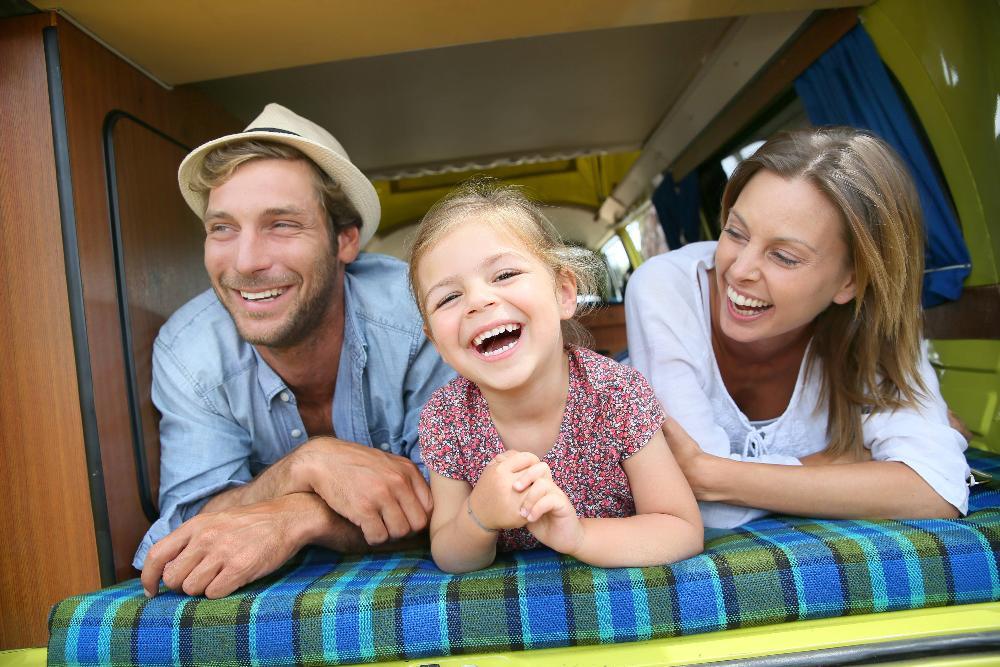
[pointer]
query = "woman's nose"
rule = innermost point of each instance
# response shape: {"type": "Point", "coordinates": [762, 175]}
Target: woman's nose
{"type": "Point", "coordinates": [745, 268]}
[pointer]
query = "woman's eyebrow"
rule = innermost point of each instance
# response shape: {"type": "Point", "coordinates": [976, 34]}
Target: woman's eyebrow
{"type": "Point", "coordinates": [780, 239]}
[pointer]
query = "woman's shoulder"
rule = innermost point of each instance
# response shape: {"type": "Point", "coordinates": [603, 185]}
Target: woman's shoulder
{"type": "Point", "coordinates": [673, 274]}
{"type": "Point", "coordinates": [606, 377]}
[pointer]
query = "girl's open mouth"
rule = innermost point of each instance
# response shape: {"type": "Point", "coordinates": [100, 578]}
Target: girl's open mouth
{"type": "Point", "coordinates": [497, 340]}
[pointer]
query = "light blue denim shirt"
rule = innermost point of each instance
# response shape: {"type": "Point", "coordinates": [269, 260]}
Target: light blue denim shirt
{"type": "Point", "coordinates": [226, 415]}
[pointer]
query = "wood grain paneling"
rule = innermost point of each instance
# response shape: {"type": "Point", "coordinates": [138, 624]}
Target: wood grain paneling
{"type": "Point", "coordinates": [49, 548]}
{"type": "Point", "coordinates": [96, 83]}
{"type": "Point", "coordinates": [607, 325]}
{"type": "Point", "coordinates": [161, 247]}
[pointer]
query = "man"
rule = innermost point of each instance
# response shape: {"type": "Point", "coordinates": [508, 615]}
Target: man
{"type": "Point", "coordinates": [290, 392]}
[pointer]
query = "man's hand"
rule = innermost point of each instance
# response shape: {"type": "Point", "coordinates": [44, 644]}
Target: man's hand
{"type": "Point", "coordinates": [215, 553]}
{"type": "Point", "coordinates": [383, 494]}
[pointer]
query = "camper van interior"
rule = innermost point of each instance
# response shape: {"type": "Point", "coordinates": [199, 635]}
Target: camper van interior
{"type": "Point", "coordinates": [593, 107]}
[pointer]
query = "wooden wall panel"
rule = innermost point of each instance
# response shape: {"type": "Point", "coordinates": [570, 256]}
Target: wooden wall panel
{"type": "Point", "coordinates": [161, 244]}
{"type": "Point", "coordinates": [96, 82]}
{"type": "Point", "coordinates": [49, 547]}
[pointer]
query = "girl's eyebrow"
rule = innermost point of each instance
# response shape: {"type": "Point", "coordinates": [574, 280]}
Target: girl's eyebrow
{"type": "Point", "coordinates": [489, 261]}
{"type": "Point", "coordinates": [780, 239]}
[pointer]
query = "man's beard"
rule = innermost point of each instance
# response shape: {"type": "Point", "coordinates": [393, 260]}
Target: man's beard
{"type": "Point", "coordinates": [305, 316]}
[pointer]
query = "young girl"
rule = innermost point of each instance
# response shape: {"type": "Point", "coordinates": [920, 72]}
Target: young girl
{"type": "Point", "coordinates": [538, 441]}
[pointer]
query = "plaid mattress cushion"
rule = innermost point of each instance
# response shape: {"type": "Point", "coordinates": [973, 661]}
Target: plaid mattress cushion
{"type": "Point", "coordinates": [334, 610]}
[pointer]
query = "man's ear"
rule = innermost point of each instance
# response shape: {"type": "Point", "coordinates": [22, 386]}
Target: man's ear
{"type": "Point", "coordinates": [566, 292]}
{"type": "Point", "coordinates": [847, 291]}
{"type": "Point", "coordinates": [349, 244]}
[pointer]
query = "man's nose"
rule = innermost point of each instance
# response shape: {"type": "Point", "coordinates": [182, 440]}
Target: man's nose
{"type": "Point", "coordinates": [252, 253]}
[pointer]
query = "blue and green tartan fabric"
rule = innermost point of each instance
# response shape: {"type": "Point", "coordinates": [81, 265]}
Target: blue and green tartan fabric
{"type": "Point", "coordinates": [333, 610]}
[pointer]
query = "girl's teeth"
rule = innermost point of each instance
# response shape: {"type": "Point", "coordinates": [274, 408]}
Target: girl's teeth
{"type": "Point", "coordinates": [495, 331]}
{"type": "Point", "coordinates": [500, 350]}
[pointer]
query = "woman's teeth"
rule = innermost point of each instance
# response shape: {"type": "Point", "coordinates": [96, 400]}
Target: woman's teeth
{"type": "Point", "coordinates": [741, 300]}
{"type": "Point", "coordinates": [259, 296]}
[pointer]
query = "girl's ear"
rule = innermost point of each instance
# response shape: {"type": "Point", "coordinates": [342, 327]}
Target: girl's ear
{"type": "Point", "coordinates": [847, 291]}
{"type": "Point", "coordinates": [566, 294]}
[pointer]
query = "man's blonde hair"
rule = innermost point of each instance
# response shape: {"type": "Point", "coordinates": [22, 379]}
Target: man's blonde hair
{"type": "Point", "coordinates": [220, 165]}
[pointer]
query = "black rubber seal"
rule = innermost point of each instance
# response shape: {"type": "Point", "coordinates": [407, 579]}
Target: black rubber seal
{"type": "Point", "coordinates": [146, 491]}
{"type": "Point", "coordinates": [77, 313]}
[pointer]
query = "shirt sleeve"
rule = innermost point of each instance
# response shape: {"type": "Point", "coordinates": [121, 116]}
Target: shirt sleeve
{"type": "Point", "coordinates": [441, 434]}
{"type": "Point", "coordinates": [923, 440]}
{"type": "Point", "coordinates": [202, 453]}
{"type": "Point", "coordinates": [427, 372]}
{"type": "Point", "coordinates": [638, 412]}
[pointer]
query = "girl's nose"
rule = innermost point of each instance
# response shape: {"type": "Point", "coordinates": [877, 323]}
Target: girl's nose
{"type": "Point", "coordinates": [479, 297]}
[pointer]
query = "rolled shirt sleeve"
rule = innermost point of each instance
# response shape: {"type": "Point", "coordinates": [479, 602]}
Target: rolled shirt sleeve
{"type": "Point", "coordinates": [923, 440]}
{"type": "Point", "coordinates": [202, 453]}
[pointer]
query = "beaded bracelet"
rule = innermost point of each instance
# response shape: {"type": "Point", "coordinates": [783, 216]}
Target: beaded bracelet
{"type": "Point", "coordinates": [472, 515]}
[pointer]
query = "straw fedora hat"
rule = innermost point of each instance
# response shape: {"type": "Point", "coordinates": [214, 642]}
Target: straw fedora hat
{"type": "Point", "coordinates": [278, 124]}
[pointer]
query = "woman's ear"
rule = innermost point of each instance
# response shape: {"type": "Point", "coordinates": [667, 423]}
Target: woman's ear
{"type": "Point", "coordinates": [566, 291]}
{"type": "Point", "coordinates": [847, 291]}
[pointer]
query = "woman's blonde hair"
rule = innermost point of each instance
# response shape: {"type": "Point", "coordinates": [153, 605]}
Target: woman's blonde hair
{"type": "Point", "coordinates": [504, 206]}
{"type": "Point", "coordinates": [868, 349]}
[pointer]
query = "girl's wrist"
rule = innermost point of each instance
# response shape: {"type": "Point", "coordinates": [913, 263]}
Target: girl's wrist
{"type": "Point", "coordinates": [475, 519]}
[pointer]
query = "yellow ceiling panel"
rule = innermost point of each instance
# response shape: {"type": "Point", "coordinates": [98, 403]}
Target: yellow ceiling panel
{"type": "Point", "coordinates": [181, 41]}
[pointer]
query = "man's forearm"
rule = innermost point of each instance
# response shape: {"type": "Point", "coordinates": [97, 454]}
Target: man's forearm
{"type": "Point", "coordinates": [287, 475]}
{"type": "Point", "coordinates": [323, 527]}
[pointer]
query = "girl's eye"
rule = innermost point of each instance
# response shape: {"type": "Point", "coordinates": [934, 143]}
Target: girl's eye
{"type": "Point", "coordinates": [785, 259]}
{"type": "Point", "coordinates": [448, 298]}
{"type": "Point", "coordinates": [507, 274]}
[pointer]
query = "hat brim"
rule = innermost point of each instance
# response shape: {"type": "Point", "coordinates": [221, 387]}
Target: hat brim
{"type": "Point", "coordinates": [356, 186]}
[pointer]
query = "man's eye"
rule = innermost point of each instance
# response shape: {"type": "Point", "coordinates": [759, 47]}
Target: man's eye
{"type": "Point", "coordinates": [217, 229]}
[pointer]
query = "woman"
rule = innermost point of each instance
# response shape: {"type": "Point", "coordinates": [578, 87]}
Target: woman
{"type": "Point", "coordinates": [796, 340]}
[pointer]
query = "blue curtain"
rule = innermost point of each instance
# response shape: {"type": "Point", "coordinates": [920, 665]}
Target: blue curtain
{"type": "Point", "coordinates": [849, 85]}
{"type": "Point", "coordinates": [677, 206]}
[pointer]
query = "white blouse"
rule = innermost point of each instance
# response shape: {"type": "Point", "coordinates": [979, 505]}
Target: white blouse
{"type": "Point", "coordinates": [669, 339]}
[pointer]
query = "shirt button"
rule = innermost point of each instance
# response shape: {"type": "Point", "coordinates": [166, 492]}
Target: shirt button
{"type": "Point", "coordinates": [384, 446]}
{"type": "Point", "coordinates": [285, 397]}
{"type": "Point", "coordinates": [296, 432]}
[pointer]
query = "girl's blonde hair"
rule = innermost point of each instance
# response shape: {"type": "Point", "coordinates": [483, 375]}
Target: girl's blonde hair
{"type": "Point", "coordinates": [505, 207]}
{"type": "Point", "coordinates": [868, 349]}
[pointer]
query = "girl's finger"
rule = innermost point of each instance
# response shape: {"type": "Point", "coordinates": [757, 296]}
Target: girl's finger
{"type": "Point", "coordinates": [548, 502]}
{"type": "Point", "coordinates": [527, 476]}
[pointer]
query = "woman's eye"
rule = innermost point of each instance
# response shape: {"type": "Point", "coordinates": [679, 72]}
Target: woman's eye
{"type": "Point", "coordinates": [785, 259]}
{"type": "Point", "coordinates": [733, 233]}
